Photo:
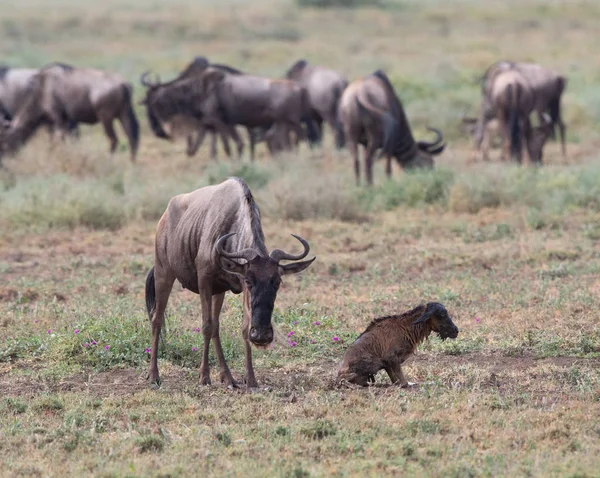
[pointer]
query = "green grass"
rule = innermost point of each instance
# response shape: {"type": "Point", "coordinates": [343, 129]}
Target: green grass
{"type": "Point", "coordinates": [510, 251]}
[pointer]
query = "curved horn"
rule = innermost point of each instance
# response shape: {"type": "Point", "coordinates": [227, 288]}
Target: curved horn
{"type": "Point", "coordinates": [144, 81]}
{"type": "Point", "coordinates": [279, 255]}
{"type": "Point", "coordinates": [434, 147]}
{"type": "Point", "coordinates": [247, 254]}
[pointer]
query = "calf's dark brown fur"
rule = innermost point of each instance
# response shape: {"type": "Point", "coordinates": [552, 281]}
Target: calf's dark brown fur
{"type": "Point", "coordinates": [389, 341]}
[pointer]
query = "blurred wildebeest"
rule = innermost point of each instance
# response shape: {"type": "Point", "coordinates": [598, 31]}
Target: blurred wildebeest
{"type": "Point", "coordinates": [513, 99]}
{"type": "Point", "coordinates": [211, 240]}
{"type": "Point", "coordinates": [169, 120]}
{"type": "Point", "coordinates": [371, 114]}
{"type": "Point", "coordinates": [65, 96]}
{"type": "Point", "coordinates": [223, 100]}
{"type": "Point", "coordinates": [547, 86]}
{"type": "Point", "coordinates": [15, 87]}
{"type": "Point", "coordinates": [325, 88]}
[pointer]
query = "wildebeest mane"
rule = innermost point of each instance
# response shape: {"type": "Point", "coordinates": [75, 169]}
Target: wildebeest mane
{"type": "Point", "coordinates": [227, 69]}
{"type": "Point", "coordinates": [253, 210]}
{"type": "Point", "coordinates": [406, 318]}
{"type": "Point", "coordinates": [405, 147]}
{"type": "Point", "coordinates": [66, 67]}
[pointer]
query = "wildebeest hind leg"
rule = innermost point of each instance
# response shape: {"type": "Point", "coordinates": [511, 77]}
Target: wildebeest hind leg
{"type": "Point", "coordinates": [226, 377]}
{"type": "Point", "coordinates": [163, 281]}
{"type": "Point", "coordinates": [353, 146]}
{"type": "Point", "coordinates": [109, 129]}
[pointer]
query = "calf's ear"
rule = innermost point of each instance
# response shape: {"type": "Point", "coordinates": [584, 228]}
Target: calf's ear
{"type": "Point", "coordinates": [233, 266]}
{"type": "Point", "coordinates": [295, 267]}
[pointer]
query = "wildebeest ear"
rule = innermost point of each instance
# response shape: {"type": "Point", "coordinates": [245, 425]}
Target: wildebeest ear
{"type": "Point", "coordinates": [431, 309]}
{"type": "Point", "coordinates": [232, 266]}
{"type": "Point", "coordinates": [295, 267]}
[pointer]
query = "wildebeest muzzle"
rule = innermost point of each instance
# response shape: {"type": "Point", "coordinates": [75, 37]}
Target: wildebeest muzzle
{"type": "Point", "coordinates": [261, 335]}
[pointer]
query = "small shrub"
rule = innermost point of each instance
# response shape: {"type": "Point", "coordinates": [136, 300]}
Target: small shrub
{"type": "Point", "coordinates": [14, 405]}
{"type": "Point", "coordinates": [319, 430]}
{"type": "Point", "coordinates": [48, 403]}
{"type": "Point", "coordinates": [150, 443]}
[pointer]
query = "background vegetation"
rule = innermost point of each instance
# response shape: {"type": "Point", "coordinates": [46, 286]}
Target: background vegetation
{"type": "Point", "coordinates": [512, 252]}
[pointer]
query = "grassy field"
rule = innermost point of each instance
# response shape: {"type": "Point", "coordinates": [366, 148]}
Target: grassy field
{"type": "Point", "coordinates": [513, 253]}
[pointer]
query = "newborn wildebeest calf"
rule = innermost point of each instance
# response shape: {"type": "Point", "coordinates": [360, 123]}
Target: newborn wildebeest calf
{"type": "Point", "coordinates": [389, 341]}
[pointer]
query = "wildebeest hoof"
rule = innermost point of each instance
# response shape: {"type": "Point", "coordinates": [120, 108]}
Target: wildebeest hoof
{"type": "Point", "coordinates": [204, 380]}
{"type": "Point", "coordinates": [408, 384]}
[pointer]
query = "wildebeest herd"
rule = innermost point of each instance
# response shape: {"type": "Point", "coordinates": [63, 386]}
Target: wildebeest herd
{"type": "Point", "coordinates": [211, 240]}
{"type": "Point", "coordinates": [213, 98]}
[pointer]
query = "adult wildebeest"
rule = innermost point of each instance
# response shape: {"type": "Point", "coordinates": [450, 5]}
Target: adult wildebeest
{"type": "Point", "coordinates": [211, 240]}
{"type": "Point", "coordinates": [547, 86]}
{"type": "Point", "coordinates": [16, 86]}
{"type": "Point", "coordinates": [169, 119]}
{"type": "Point", "coordinates": [371, 114]}
{"type": "Point", "coordinates": [66, 96]}
{"type": "Point", "coordinates": [325, 88]}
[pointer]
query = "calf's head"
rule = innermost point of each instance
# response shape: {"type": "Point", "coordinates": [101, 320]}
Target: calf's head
{"type": "Point", "coordinates": [439, 320]}
{"type": "Point", "coordinates": [261, 277]}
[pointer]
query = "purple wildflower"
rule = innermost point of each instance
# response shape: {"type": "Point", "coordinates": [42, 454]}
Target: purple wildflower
{"type": "Point", "coordinates": [317, 323]}
{"type": "Point", "coordinates": [148, 351]}
{"type": "Point", "coordinates": [49, 331]}
{"type": "Point", "coordinates": [93, 342]}
{"type": "Point", "coordinates": [194, 349]}
{"type": "Point", "coordinates": [295, 322]}
{"type": "Point", "coordinates": [106, 347]}
{"type": "Point", "coordinates": [76, 331]}
{"type": "Point", "coordinates": [291, 343]}
{"type": "Point", "coordinates": [290, 334]}
{"type": "Point", "coordinates": [313, 341]}
{"type": "Point", "coordinates": [477, 319]}
{"type": "Point", "coordinates": [86, 345]}
{"type": "Point", "coordinates": [335, 338]}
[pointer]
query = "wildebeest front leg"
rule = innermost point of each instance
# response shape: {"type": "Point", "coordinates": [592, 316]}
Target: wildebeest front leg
{"type": "Point", "coordinates": [369, 158]}
{"type": "Point", "coordinates": [388, 166]}
{"type": "Point", "coordinates": [194, 144]}
{"type": "Point", "coordinates": [394, 371]}
{"type": "Point", "coordinates": [226, 377]}
{"type": "Point", "coordinates": [162, 286]}
{"type": "Point", "coordinates": [250, 378]}
{"type": "Point", "coordinates": [207, 328]}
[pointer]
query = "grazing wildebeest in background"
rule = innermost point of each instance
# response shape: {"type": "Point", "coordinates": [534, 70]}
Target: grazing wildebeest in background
{"type": "Point", "coordinates": [15, 87]}
{"type": "Point", "coordinates": [211, 240]}
{"type": "Point", "coordinates": [547, 85]}
{"type": "Point", "coordinates": [325, 88]}
{"type": "Point", "coordinates": [388, 341]}
{"type": "Point", "coordinates": [65, 96]}
{"type": "Point", "coordinates": [512, 100]}
{"type": "Point", "coordinates": [371, 114]}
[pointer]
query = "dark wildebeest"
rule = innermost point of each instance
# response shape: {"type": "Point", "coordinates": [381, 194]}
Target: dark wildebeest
{"type": "Point", "coordinates": [16, 86]}
{"type": "Point", "coordinates": [211, 240]}
{"type": "Point", "coordinates": [169, 119]}
{"type": "Point", "coordinates": [547, 85]}
{"type": "Point", "coordinates": [66, 96]}
{"type": "Point", "coordinates": [371, 114]}
{"type": "Point", "coordinates": [325, 88]}
{"type": "Point", "coordinates": [388, 341]}
{"type": "Point", "coordinates": [512, 100]}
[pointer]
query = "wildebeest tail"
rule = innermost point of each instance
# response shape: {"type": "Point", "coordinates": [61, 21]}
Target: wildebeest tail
{"type": "Point", "coordinates": [130, 121]}
{"type": "Point", "coordinates": [389, 123]}
{"type": "Point", "coordinates": [150, 293]}
{"type": "Point", "coordinates": [340, 140]}
{"type": "Point", "coordinates": [513, 115]}
{"type": "Point", "coordinates": [312, 132]}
